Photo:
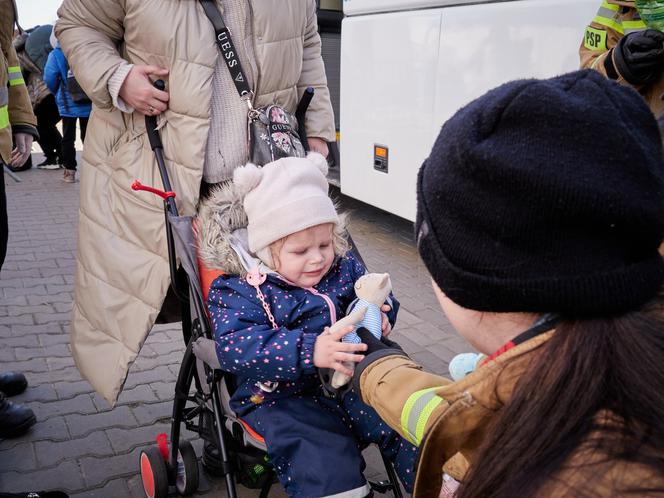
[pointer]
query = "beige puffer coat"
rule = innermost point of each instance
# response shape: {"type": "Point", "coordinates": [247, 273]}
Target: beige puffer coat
{"type": "Point", "coordinates": [122, 272]}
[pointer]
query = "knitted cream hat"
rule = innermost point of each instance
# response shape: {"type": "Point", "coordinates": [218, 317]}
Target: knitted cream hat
{"type": "Point", "coordinates": [284, 197]}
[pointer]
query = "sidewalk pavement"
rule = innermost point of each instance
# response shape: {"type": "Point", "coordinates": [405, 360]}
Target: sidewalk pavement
{"type": "Point", "coordinates": [78, 444]}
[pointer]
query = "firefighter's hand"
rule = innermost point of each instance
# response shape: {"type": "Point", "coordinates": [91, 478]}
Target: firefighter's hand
{"type": "Point", "coordinates": [22, 149]}
{"type": "Point", "coordinates": [137, 90]}
{"type": "Point", "coordinates": [330, 352]}
{"type": "Point", "coordinates": [639, 56]}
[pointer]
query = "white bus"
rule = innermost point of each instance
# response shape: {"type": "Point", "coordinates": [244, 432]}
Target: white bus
{"type": "Point", "coordinates": [407, 65]}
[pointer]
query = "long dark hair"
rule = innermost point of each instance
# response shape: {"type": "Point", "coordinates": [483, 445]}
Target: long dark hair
{"type": "Point", "coordinates": [589, 368]}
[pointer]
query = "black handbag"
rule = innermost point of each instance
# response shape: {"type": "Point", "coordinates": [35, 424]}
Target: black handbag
{"type": "Point", "coordinates": [76, 93]}
{"type": "Point", "coordinates": [273, 132]}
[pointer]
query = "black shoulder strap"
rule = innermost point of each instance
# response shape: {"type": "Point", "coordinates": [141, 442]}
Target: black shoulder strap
{"type": "Point", "coordinates": [227, 48]}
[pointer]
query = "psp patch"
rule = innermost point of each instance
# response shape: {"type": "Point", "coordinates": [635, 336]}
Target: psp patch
{"type": "Point", "coordinates": [595, 39]}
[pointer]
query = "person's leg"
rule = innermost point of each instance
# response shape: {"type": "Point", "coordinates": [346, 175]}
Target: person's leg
{"type": "Point", "coordinates": [50, 139]}
{"type": "Point", "coordinates": [311, 447]}
{"type": "Point", "coordinates": [68, 143]}
{"type": "Point", "coordinates": [370, 428]}
{"type": "Point", "coordinates": [83, 123]}
{"type": "Point", "coordinates": [4, 227]}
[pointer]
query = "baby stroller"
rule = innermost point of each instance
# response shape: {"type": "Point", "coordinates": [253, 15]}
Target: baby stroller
{"type": "Point", "coordinates": [242, 452]}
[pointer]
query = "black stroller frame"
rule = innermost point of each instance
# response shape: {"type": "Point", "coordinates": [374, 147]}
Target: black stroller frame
{"type": "Point", "coordinates": [176, 464]}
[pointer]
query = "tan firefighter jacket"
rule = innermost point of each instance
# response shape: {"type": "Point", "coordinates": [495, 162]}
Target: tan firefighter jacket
{"type": "Point", "coordinates": [448, 420]}
{"type": "Point", "coordinates": [15, 108]}
{"type": "Point", "coordinates": [615, 19]}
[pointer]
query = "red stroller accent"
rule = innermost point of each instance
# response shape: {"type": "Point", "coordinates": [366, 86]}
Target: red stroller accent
{"type": "Point", "coordinates": [207, 411]}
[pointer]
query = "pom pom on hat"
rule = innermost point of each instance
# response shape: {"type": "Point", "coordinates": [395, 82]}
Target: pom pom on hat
{"type": "Point", "coordinates": [319, 161]}
{"type": "Point", "coordinates": [247, 178]}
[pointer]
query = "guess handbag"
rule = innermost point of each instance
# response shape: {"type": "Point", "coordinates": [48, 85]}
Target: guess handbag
{"type": "Point", "coordinates": [273, 132]}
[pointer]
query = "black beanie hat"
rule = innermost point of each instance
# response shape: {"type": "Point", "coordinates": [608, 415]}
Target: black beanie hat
{"type": "Point", "coordinates": [546, 196]}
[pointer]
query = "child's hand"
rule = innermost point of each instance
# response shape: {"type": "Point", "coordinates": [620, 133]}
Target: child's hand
{"type": "Point", "coordinates": [385, 322]}
{"type": "Point", "coordinates": [330, 352]}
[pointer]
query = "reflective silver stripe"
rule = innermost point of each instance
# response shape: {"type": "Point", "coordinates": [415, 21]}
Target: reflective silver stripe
{"type": "Point", "coordinates": [604, 12]}
{"type": "Point", "coordinates": [360, 492]}
{"type": "Point", "coordinates": [420, 413]}
{"type": "Point", "coordinates": [4, 96]}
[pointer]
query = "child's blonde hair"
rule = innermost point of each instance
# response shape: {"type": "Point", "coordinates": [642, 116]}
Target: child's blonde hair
{"type": "Point", "coordinates": [270, 255]}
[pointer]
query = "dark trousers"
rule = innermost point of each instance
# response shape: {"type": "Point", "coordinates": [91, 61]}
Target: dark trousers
{"type": "Point", "coordinates": [315, 443]}
{"type": "Point", "coordinates": [4, 228]}
{"type": "Point", "coordinates": [48, 116]}
{"type": "Point", "coordinates": [69, 139]}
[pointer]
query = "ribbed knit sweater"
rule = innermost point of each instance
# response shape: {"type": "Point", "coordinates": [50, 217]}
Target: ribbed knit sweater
{"type": "Point", "coordinates": [227, 138]}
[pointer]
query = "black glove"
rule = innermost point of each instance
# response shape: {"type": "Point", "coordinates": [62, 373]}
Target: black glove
{"type": "Point", "coordinates": [638, 57]}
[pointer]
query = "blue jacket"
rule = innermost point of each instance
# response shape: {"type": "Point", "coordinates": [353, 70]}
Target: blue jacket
{"type": "Point", "coordinates": [250, 348]}
{"type": "Point", "coordinates": [55, 77]}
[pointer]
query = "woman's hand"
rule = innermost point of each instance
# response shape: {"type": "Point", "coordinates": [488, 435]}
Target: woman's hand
{"type": "Point", "coordinates": [385, 322]}
{"type": "Point", "coordinates": [137, 90]}
{"type": "Point", "coordinates": [330, 352]}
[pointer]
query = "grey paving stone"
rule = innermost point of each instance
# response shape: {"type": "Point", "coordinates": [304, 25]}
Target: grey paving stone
{"type": "Point", "coordinates": [161, 373]}
{"type": "Point", "coordinates": [55, 364]}
{"type": "Point", "coordinates": [63, 297]}
{"type": "Point", "coordinates": [40, 352]}
{"type": "Point", "coordinates": [133, 397]}
{"type": "Point", "coordinates": [37, 290]}
{"type": "Point", "coordinates": [17, 320]}
{"type": "Point", "coordinates": [150, 413]}
{"type": "Point", "coordinates": [81, 404]}
{"type": "Point", "coordinates": [68, 390]}
{"type": "Point", "coordinates": [42, 393]}
{"type": "Point", "coordinates": [52, 317]}
{"type": "Point", "coordinates": [64, 375]}
{"type": "Point", "coordinates": [48, 340]}
{"type": "Point", "coordinates": [65, 476]}
{"type": "Point", "coordinates": [21, 341]}
{"type": "Point", "coordinates": [99, 470]}
{"type": "Point", "coordinates": [163, 390]}
{"type": "Point", "coordinates": [125, 440]}
{"type": "Point", "coordinates": [34, 365]}
{"type": "Point", "coordinates": [80, 425]}
{"type": "Point", "coordinates": [51, 453]}
{"type": "Point", "coordinates": [48, 328]}
{"type": "Point", "coordinates": [21, 458]}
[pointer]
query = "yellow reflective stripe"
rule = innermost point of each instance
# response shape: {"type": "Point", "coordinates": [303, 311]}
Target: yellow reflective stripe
{"type": "Point", "coordinates": [610, 6]}
{"type": "Point", "coordinates": [412, 410]}
{"type": "Point", "coordinates": [4, 117]}
{"type": "Point", "coordinates": [632, 26]}
{"type": "Point", "coordinates": [424, 417]}
{"type": "Point", "coordinates": [15, 76]}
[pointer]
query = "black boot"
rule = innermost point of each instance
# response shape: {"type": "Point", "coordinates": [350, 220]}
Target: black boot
{"type": "Point", "coordinates": [12, 383]}
{"type": "Point", "coordinates": [14, 419]}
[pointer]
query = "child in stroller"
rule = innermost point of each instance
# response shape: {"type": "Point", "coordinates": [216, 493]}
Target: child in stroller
{"type": "Point", "coordinates": [270, 316]}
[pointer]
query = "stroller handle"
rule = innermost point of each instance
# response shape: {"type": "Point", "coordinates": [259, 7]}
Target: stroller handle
{"type": "Point", "coordinates": [151, 122]}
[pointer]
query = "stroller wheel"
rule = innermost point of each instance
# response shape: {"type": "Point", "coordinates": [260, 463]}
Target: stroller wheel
{"type": "Point", "coordinates": [186, 480]}
{"type": "Point", "coordinates": [153, 473]}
